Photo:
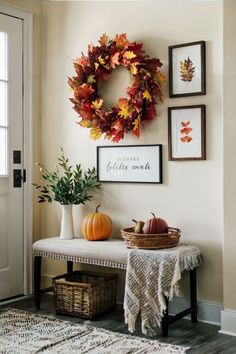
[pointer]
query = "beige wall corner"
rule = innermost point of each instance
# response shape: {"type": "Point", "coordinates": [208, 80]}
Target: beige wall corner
{"type": "Point", "coordinates": [229, 259]}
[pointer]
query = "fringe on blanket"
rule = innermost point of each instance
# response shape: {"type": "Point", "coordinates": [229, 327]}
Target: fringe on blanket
{"type": "Point", "coordinates": [153, 320]}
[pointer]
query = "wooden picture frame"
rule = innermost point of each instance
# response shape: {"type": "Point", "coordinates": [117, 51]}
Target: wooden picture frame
{"type": "Point", "coordinates": [187, 69]}
{"type": "Point", "coordinates": [187, 132]}
{"type": "Point", "coordinates": [130, 163]}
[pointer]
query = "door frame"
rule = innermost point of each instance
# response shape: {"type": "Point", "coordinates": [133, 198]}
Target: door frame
{"type": "Point", "coordinates": [27, 38]}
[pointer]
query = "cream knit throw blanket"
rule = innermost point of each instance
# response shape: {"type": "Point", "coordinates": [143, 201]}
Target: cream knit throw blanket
{"type": "Point", "coordinates": [149, 276]}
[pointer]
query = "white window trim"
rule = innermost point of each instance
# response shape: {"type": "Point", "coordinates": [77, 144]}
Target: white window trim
{"type": "Point", "coordinates": [28, 142]}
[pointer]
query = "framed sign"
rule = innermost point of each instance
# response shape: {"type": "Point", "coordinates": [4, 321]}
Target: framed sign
{"type": "Point", "coordinates": [130, 163]}
{"type": "Point", "coordinates": [187, 133]}
{"type": "Point", "coordinates": [187, 69]}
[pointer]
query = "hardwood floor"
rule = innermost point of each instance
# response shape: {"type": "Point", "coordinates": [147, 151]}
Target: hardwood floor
{"type": "Point", "coordinates": [203, 338]}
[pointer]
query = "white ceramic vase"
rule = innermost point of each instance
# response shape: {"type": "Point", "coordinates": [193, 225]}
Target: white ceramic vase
{"type": "Point", "coordinates": [67, 227]}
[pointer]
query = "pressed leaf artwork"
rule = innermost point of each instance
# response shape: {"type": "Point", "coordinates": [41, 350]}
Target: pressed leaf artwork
{"type": "Point", "coordinates": [186, 139]}
{"type": "Point", "coordinates": [187, 70]}
{"type": "Point", "coordinates": [184, 131]}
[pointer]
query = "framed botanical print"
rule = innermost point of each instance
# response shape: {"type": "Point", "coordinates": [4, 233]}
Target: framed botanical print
{"type": "Point", "coordinates": [187, 132]}
{"type": "Point", "coordinates": [187, 69]}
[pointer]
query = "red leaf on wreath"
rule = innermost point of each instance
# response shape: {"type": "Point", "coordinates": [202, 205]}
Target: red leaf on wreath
{"type": "Point", "coordinates": [150, 113]}
{"type": "Point", "coordinates": [102, 74]}
{"type": "Point", "coordinates": [87, 106]}
{"type": "Point", "coordinates": [83, 91]}
{"type": "Point", "coordinates": [137, 132]}
{"type": "Point", "coordinates": [83, 60]}
{"type": "Point", "coordinates": [117, 137]}
{"type": "Point", "coordinates": [78, 69]}
{"type": "Point", "coordinates": [85, 114]}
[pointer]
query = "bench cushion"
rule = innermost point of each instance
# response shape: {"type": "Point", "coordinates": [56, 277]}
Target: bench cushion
{"type": "Point", "coordinates": [110, 253]}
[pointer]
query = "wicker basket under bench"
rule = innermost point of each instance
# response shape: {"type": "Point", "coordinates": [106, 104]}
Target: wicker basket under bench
{"type": "Point", "coordinates": [85, 294]}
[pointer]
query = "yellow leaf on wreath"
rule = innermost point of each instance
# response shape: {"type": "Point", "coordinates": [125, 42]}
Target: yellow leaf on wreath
{"type": "Point", "coordinates": [147, 95]}
{"type": "Point", "coordinates": [104, 39]}
{"type": "Point", "coordinates": [97, 104]}
{"type": "Point", "coordinates": [136, 123]}
{"type": "Point", "coordinates": [107, 136]}
{"type": "Point", "coordinates": [85, 123]}
{"type": "Point", "coordinates": [95, 133]}
{"type": "Point", "coordinates": [133, 69]}
{"type": "Point", "coordinates": [70, 89]}
{"type": "Point", "coordinates": [129, 54]}
{"type": "Point", "coordinates": [96, 65]}
{"type": "Point", "coordinates": [161, 78]}
{"type": "Point", "coordinates": [101, 60]}
{"type": "Point", "coordinates": [124, 112]}
{"type": "Point", "coordinates": [91, 79]}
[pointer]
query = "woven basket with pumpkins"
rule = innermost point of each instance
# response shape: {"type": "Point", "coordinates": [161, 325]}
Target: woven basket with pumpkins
{"type": "Point", "coordinates": [152, 234]}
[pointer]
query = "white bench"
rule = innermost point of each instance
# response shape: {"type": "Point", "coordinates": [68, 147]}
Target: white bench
{"type": "Point", "coordinates": [111, 253]}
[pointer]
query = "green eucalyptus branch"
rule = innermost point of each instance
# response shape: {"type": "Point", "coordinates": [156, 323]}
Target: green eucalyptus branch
{"type": "Point", "coordinates": [70, 186]}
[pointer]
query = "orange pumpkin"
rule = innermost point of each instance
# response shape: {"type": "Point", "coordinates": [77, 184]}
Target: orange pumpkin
{"type": "Point", "coordinates": [96, 226]}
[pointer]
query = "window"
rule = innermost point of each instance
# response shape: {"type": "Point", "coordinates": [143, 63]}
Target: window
{"type": "Point", "coordinates": [3, 105]}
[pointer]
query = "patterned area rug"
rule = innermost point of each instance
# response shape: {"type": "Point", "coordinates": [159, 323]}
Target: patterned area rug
{"type": "Point", "coordinates": [22, 332]}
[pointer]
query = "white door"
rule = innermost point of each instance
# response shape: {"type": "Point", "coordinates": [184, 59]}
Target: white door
{"type": "Point", "coordinates": [11, 147]}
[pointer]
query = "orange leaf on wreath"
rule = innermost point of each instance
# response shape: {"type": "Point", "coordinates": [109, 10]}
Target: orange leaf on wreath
{"type": "Point", "coordinates": [90, 47]}
{"type": "Point", "coordinates": [104, 39]}
{"type": "Point", "coordinates": [118, 125]}
{"type": "Point", "coordinates": [83, 60]}
{"type": "Point", "coordinates": [83, 91]}
{"type": "Point", "coordinates": [115, 60]}
{"type": "Point", "coordinates": [121, 40]}
{"type": "Point", "coordinates": [160, 78]}
{"type": "Point", "coordinates": [85, 114]}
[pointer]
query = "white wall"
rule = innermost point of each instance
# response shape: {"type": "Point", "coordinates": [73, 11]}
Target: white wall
{"type": "Point", "coordinates": [229, 156]}
{"type": "Point", "coordinates": [191, 196]}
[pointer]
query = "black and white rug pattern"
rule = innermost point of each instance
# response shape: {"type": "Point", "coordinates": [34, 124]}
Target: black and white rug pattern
{"type": "Point", "coordinates": [22, 333]}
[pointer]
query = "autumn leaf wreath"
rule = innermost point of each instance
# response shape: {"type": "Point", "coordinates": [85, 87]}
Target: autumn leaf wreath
{"type": "Point", "coordinates": [142, 94]}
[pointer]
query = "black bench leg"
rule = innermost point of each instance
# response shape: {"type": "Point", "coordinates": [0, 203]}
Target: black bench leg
{"type": "Point", "coordinates": [37, 281]}
{"type": "Point", "coordinates": [164, 322]}
{"type": "Point", "coordinates": [69, 266]}
{"type": "Point", "coordinates": [193, 294]}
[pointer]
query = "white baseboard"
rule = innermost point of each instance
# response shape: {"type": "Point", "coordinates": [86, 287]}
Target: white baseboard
{"type": "Point", "coordinates": [208, 311]}
{"type": "Point", "coordinates": [228, 322]}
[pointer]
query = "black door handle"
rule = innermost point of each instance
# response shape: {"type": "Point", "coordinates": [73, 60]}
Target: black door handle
{"type": "Point", "coordinates": [17, 178]}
